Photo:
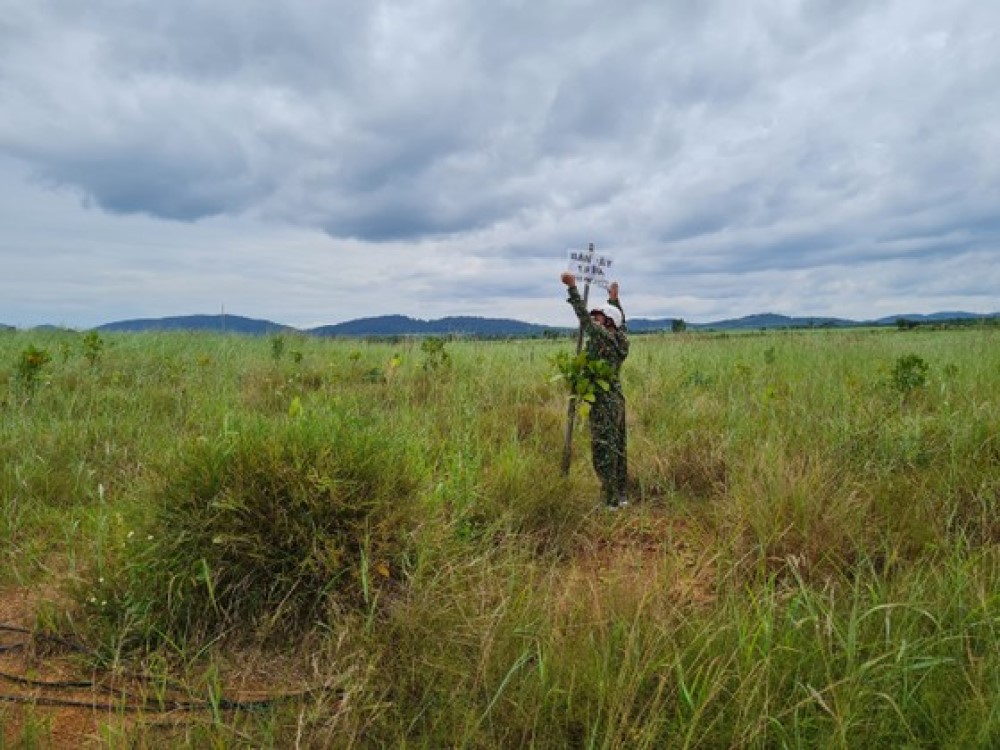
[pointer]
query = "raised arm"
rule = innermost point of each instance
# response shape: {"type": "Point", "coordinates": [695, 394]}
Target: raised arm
{"type": "Point", "coordinates": [576, 302]}
{"type": "Point", "coordinates": [613, 300]}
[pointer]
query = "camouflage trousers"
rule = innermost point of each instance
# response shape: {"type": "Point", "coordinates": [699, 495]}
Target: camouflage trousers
{"type": "Point", "coordinates": [608, 444]}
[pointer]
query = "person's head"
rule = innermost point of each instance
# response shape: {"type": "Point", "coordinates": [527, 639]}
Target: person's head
{"type": "Point", "coordinates": [608, 316]}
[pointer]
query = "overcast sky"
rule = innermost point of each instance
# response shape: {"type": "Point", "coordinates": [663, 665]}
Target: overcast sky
{"type": "Point", "coordinates": [312, 162]}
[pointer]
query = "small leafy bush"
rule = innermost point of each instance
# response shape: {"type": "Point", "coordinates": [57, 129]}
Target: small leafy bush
{"type": "Point", "coordinates": [909, 373]}
{"type": "Point", "coordinates": [585, 377]}
{"type": "Point", "coordinates": [435, 355]}
{"type": "Point", "coordinates": [30, 364]}
{"type": "Point", "coordinates": [277, 347]}
{"type": "Point", "coordinates": [93, 345]}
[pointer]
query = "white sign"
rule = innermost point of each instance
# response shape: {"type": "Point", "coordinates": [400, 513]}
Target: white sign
{"type": "Point", "coordinates": [590, 268]}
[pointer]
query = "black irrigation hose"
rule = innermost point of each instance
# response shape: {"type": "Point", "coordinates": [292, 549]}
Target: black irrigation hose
{"type": "Point", "coordinates": [24, 631]}
{"type": "Point", "coordinates": [62, 703]}
{"type": "Point", "coordinates": [65, 685]}
{"type": "Point", "coordinates": [149, 706]}
{"type": "Point", "coordinates": [6, 648]}
{"type": "Point", "coordinates": [27, 682]}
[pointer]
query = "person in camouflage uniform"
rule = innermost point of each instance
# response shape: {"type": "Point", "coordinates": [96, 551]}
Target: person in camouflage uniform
{"type": "Point", "coordinates": [607, 340]}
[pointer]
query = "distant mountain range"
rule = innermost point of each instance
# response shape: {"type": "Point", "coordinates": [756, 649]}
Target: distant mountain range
{"type": "Point", "coordinates": [385, 325]}
{"type": "Point", "coordinates": [222, 323]}
{"type": "Point", "coordinates": [772, 320]}
{"type": "Point", "coordinates": [390, 325]}
{"type": "Point", "coordinates": [401, 325]}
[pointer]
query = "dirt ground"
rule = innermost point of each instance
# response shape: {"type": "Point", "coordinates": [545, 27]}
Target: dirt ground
{"type": "Point", "coordinates": [22, 718]}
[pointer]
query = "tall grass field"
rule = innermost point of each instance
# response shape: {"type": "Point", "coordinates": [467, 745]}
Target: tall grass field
{"type": "Point", "coordinates": [224, 541]}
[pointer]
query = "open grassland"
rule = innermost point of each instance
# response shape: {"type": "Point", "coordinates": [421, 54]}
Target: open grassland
{"type": "Point", "coordinates": [216, 541]}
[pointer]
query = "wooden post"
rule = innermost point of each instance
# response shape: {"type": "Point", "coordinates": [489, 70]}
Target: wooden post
{"type": "Point", "coordinates": [567, 457]}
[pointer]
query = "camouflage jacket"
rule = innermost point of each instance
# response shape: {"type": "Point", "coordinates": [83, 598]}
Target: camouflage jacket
{"type": "Point", "coordinates": [610, 346]}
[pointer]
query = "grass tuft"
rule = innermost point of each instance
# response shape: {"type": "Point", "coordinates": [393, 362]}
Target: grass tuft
{"type": "Point", "coordinates": [265, 529]}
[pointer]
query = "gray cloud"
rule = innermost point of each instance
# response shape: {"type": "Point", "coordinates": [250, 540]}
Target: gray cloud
{"type": "Point", "coordinates": [695, 139]}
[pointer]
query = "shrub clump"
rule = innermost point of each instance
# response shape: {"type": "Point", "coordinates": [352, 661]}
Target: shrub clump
{"type": "Point", "coordinates": [29, 366]}
{"type": "Point", "coordinates": [909, 373]}
{"type": "Point", "coordinates": [264, 530]}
